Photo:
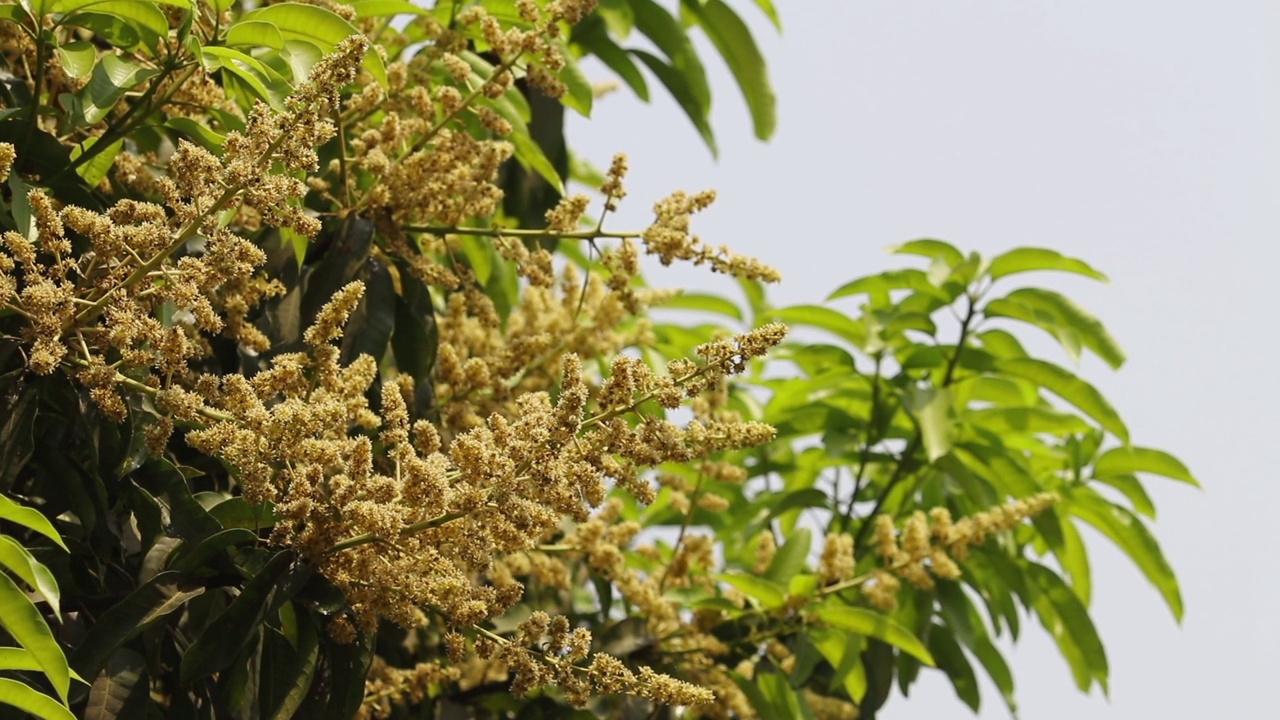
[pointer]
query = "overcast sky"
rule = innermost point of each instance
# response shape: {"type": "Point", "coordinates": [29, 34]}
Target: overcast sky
{"type": "Point", "coordinates": [1143, 137]}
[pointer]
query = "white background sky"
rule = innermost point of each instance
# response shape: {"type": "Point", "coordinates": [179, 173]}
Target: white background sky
{"type": "Point", "coordinates": [1139, 135]}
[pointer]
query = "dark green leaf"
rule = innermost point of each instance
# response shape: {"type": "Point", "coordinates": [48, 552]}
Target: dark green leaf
{"type": "Point", "coordinates": [1068, 621]}
{"type": "Point", "coordinates": [204, 554]}
{"type": "Point", "coordinates": [371, 323]}
{"type": "Point", "coordinates": [113, 76]}
{"type": "Point", "coordinates": [685, 95]}
{"type": "Point", "coordinates": [160, 596]}
{"type": "Point", "coordinates": [121, 684]}
{"type": "Point", "coordinates": [592, 35]}
{"type": "Point", "coordinates": [295, 679]}
{"type": "Point", "coordinates": [219, 644]}
{"type": "Point", "coordinates": [236, 512]}
{"type": "Point", "coordinates": [952, 661]}
{"type": "Point", "coordinates": [790, 558]}
{"type": "Point", "coordinates": [733, 39]}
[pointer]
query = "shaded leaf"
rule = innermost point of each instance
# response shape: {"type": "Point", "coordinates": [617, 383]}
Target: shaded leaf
{"type": "Point", "coordinates": [222, 640]}
{"type": "Point", "coordinates": [123, 680]}
{"type": "Point", "coordinates": [163, 594]}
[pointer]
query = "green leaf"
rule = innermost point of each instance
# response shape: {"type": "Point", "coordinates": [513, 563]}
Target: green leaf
{"type": "Point", "coordinates": [96, 169]}
{"type": "Point", "coordinates": [843, 650]}
{"type": "Point", "coordinates": [122, 683]}
{"type": "Point", "coordinates": [835, 613]}
{"type": "Point", "coordinates": [1028, 420]}
{"type": "Point", "coordinates": [16, 658]}
{"type": "Point", "coordinates": [1060, 317]}
{"type": "Point", "coordinates": [1028, 259]}
{"type": "Point", "coordinates": [236, 512]}
{"type": "Point", "coordinates": [78, 58]}
{"type": "Point", "coordinates": [297, 678]}
{"type": "Point", "coordinates": [221, 641]}
{"type": "Point", "coordinates": [703, 302]}
{"type": "Point", "coordinates": [1068, 621]}
{"type": "Point", "coordinates": [952, 661]}
{"type": "Point", "coordinates": [112, 78]}
{"type": "Point", "coordinates": [790, 558]}
{"type": "Point", "coordinates": [769, 593]}
{"type": "Point", "coordinates": [530, 155]}
{"type": "Point", "coordinates": [780, 698]}
{"type": "Point", "coordinates": [23, 564]}
{"type": "Point", "coordinates": [199, 132]}
{"type": "Point", "coordinates": [20, 618]}
{"type": "Point", "coordinates": [823, 318]}
{"type": "Point", "coordinates": [733, 39]}
{"type": "Point", "coordinates": [203, 554]}
{"type": "Point", "coordinates": [1129, 533]}
{"type": "Point", "coordinates": [1069, 387]}
{"type": "Point", "coordinates": [679, 87]}
{"type": "Point", "coordinates": [592, 35]}
{"type": "Point", "coordinates": [29, 518]}
{"type": "Point", "coordinates": [385, 8]}
{"type": "Point", "coordinates": [931, 408]}
{"type": "Point", "coordinates": [962, 620]}
{"type": "Point", "coordinates": [580, 95]}
{"type": "Point", "coordinates": [1074, 559]}
{"type": "Point", "coordinates": [1133, 459]}
{"type": "Point", "coordinates": [316, 25]}
{"type": "Point", "coordinates": [660, 26]}
{"type": "Point", "coordinates": [163, 594]}
{"type": "Point", "coordinates": [932, 249]}
{"type": "Point", "coordinates": [140, 14]}
{"type": "Point", "coordinates": [254, 33]}
{"type": "Point", "coordinates": [267, 84]}
{"type": "Point", "coordinates": [18, 695]}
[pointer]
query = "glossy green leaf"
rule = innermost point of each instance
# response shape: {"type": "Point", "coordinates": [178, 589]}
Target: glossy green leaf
{"type": "Point", "coordinates": [97, 168]}
{"type": "Point", "coordinates": [198, 132]}
{"type": "Point", "coordinates": [881, 284]}
{"type": "Point", "coordinates": [769, 593]}
{"type": "Point", "coordinates": [1026, 420]}
{"type": "Point", "coordinates": [112, 77]}
{"type": "Point", "coordinates": [1061, 317]}
{"type": "Point", "coordinates": [1131, 535]}
{"type": "Point", "coordinates": [160, 596]}
{"type": "Point", "coordinates": [219, 644]}
{"type": "Point", "coordinates": [29, 518]}
{"type": "Point", "coordinates": [1069, 387]}
{"type": "Point", "coordinates": [733, 39]}
{"type": "Point", "coordinates": [1131, 488]}
{"type": "Point", "coordinates": [22, 563]}
{"type": "Point", "coordinates": [254, 33]}
{"type": "Point", "coordinates": [78, 58]}
{"type": "Point", "coordinates": [385, 8]}
{"type": "Point", "coordinates": [143, 15]}
{"type": "Point", "coordinates": [869, 623]}
{"type": "Point", "coordinates": [1133, 459]}
{"type": "Point", "coordinates": [316, 25]}
{"type": "Point", "coordinates": [24, 623]}
{"type": "Point", "coordinates": [16, 658]}
{"type": "Point", "coordinates": [298, 676]}
{"type": "Point", "coordinates": [267, 85]}
{"type": "Point", "coordinates": [532, 158]}
{"type": "Point", "coordinates": [1028, 259]}
{"type": "Point", "coordinates": [23, 697]}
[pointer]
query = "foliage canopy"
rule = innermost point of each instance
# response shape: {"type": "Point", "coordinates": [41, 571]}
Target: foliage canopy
{"type": "Point", "coordinates": [322, 397]}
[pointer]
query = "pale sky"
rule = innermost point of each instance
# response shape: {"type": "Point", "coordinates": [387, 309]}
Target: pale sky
{"type": "Point", "coordinates": [1139, 135]}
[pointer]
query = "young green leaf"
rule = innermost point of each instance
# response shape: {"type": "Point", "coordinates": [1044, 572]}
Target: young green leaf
{"type": "Point", "coordinates": [1028, 259]}
{"type": "Point", "coordinates": [837, 614]}
{"type": "Point", "coordinates": [24, 623]}
{"type": "Point", "coordinates": [23, 697]}
{"type": "Point", "coordinates": [1069, 387]}
{"type": "Point", "coordinates": [1133, 459]}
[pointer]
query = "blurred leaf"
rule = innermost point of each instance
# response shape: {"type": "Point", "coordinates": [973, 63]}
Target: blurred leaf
{"type": "Point", "coordinates": [373, 320]}
{"type": "Point", "coordinates": [1067, 620]}
{"type": "Point", "coordinates": [580, 95]}
{"type": "Point", "coordinates": [198, 132]}
{"type": "Point", "coordinates": [823, 318]}
{"type": "Point", "coordinates": [236, 512]}
{"type": "Point", "coordinates": [931, 408]}
{"type": "Point", "coordinates": [1069, 387]}
{"type": "Point", "coordinates": [843, 650]}
{"type": "Point", "coordinates": [267, 85]}
{"type": "Point", "coordinates": [769, 593]}
{"type": "Point", "coordinates": [703, 302]}
{"type": "Point", "coordinates": [1028, 259]}
{"type": "Point", "coordinates": [592, 35]}
{"type": "Point", "coordinates": [733, 39]}
{"type": "Point", "coordinates": [96, 169]}
{"type": "Point", "coordinates": [1060, 317]}
{"type": "Point", "coordinates": [932, 249]}
{"type": "Point", "coordinates": [77, 58]}
{"type": "Point", "coordinates": [384, 8]}
{"type": "Point", "coordinates": [790, 558]}
{"type": "Point", "coordinates": [952, 661]}
{"type": "Point", "coordinates": [685, 95]}
{"type": "Point", "coordinates": [1133, 459]}
{"type": "Point", "coordinates": [837, 614]}
{"type": "Point", "coordinates": [532, 158]}
{"type": "Point", "coordinates": [254, 33]}
{"type": "Point", "coordinates": [296, 678]}
{"type": "Point", "coordinates": [205, 553]}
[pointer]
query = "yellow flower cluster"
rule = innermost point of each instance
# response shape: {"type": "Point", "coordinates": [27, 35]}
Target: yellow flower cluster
{"type": "Point", "coordinates": [929, 544]}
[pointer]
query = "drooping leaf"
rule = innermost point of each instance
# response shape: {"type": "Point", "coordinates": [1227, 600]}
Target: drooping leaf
{"type": "Point", "coordinates": [932, 249]}
{"type": "Point", "coordinates": [22, 563]}
{"type": "Point", "coordinates": [113, 76]}
{"type": "Point", "coordinates": [685, 96]}
{"type": "Point", "coordinates": [1060, 317]}
{"type": "Point", "coordinates": [24, 623]}
{"type": "Point", "coordinates": [118, 689]}
{"type": "Point", "coordinates": [29, 518]}
{"type": "Point", "coordinates": [733, 39]}
{"type": "Point", "coordinates": [703, 302]}
{"type": "Point", "coordinates": [1068, 621]}
{"type": "Point", "coordinates": [951, 660]}
{"type": "Point", "coordinates": [28, 699]}
{"type": "Point", "coordinates": [592, 34]}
